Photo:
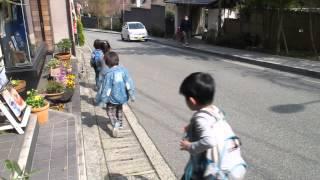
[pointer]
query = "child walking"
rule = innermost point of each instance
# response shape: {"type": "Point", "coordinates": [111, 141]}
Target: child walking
{"type": "Point", "coordinates": [115, 89]}
{"type": "Point", "coordinates": [97, 58]}
{"type": "Point", "coordinates": [213, 147]}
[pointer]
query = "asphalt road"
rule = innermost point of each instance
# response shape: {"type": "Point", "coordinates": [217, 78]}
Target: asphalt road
{"type": "Point", "coordinates": [275, 114]}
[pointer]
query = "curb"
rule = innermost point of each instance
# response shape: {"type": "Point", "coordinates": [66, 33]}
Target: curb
{"type": "Point", "coordinates": [102, 31]}
{"type": "Point", "coordinates": [29, 143]}
{"type": "Point", "coordinates": [161, 167]}
{"type": "Point", "coordinates": [277, 66]}
{"type": "Point", "coordinates": [82, 171]}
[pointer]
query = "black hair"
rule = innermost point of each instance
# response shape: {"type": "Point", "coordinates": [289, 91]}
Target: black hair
{"type": "Point", "coordinates": [111, 59]}
{"type": "Point", "coordinates": [105, 46]}
{"type": "Point", "coordinates": [200, 86]}
{"type": "Point", "coordinates": [97, 44]}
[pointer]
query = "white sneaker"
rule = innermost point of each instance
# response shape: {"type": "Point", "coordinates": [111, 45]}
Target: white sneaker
{"type": "Point", "coordinates": [115, 132]}
{"type": "Point", "coordinates": [121, 126]}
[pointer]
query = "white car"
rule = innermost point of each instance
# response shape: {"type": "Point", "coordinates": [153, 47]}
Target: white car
{"type": "Point", "coordinates": [134, 31]}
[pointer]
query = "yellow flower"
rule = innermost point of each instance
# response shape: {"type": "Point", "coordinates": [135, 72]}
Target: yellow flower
{"type": "Point", "coordinates": [37, 98]}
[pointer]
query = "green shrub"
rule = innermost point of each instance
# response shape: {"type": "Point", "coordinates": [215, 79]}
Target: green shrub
{"type": "Point", "coordinates": [81, 38]}
{"type": "Point", "coordinates": [210, 36]}
{"type": "Point", "coordinates": [233, 40]}
{"type": "Point", "coordinates": [54, 87]}
{"type": "Point", "coordinates": [64, 45]}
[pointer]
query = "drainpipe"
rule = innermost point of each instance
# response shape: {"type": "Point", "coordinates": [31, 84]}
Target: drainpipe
{"type": "Point", "coordinates": [69, 17]}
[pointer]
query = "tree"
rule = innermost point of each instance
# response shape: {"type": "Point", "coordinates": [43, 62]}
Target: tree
{"type": "Point", "coordinates": [312, 4]}
{"type": "Point", "coordinates": [99, 8]}
{"type": "Point", "coordinates": [280, 6]}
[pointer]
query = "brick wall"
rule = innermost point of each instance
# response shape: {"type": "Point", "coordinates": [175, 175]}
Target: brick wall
{"type": "Point", "coordinates": [36, 21]}
{"type": "Point", "coordinates": [47, 27]}
{"type": "Point", "coordinates": [48, 33]}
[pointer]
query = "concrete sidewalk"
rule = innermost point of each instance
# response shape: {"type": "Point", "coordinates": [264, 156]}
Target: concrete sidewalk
{"type": "Point", "coordinates": [288, 64]}
{"type": "Point", "coordinates": [131, 156]}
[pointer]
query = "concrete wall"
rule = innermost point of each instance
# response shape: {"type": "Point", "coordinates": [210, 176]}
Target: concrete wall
{"type": "Point", "coordinates": [151, 18]}
{"type": "Point", "coordinates": [59, 20]}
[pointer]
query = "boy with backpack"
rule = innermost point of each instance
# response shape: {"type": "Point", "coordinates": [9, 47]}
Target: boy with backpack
{"type": "Point", "coordinates": [115, 89]}
{"type": "Point", "coordinates": [214, 149]}
{"type": "Point", "coordinates": [96, 59]}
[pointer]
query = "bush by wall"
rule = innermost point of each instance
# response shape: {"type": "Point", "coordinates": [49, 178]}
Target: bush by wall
{"type": "Point", "coordinates": [81, 37]}
{"type": "Point", "coordinates": [155, 31]}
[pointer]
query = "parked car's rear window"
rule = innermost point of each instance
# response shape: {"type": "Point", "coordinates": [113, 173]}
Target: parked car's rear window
{"type": "Point", "coordinates": [136, 26]}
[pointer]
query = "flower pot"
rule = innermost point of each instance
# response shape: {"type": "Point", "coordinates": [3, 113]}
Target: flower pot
{"type": "Point", "coordinates": [21, 86]}
{"type": "Point", "coordinates": [66, 97]}
{"type": "Point", "coordinates": [63, 56]}
{"type": "Point", "coordinates": [42, 113]}
{"type": "Point", "coordinates": [54, 96]}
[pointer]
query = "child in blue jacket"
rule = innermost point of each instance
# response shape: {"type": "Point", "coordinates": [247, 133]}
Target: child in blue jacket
{"type": "Point", "coordinates": [115, 89]}
{"type": "Point", "coordinates": [96, 60]}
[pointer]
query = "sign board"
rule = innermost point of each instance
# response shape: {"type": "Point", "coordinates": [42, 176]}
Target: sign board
{"type": "Point", "coordinates": [14, 101]}
{"type": "Point", "coordinates": [3, 78]}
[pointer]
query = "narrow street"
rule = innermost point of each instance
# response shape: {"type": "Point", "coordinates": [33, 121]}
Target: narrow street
{"type": "Point", "coordinates": [276, 114]}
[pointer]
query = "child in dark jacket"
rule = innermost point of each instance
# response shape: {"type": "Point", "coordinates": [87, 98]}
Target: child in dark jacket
{"type": "Point", "coordinates": [206, 131]}
{"type": "Point", "coordinates": [115, 88]}
{"type": "Point", "coordinates": [96, 59]}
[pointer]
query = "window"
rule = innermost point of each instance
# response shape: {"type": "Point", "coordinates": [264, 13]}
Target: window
{"type": "Point", "coordinates": [136, 26]}
{"type": "Point", "coordinates": [14, 36]}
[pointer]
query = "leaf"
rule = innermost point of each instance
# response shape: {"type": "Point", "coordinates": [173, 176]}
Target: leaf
{"type": "Point", "coordinates": [16, 167]}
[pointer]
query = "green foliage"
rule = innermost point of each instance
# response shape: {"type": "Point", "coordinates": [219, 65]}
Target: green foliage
{"type": "Point", "coordinates": [14, 82]}
{"type": "Point", "coordinates": [54, 87]}
{"type": "Point", "coordinates": [81, 38]}
{"type": "Point", "coordinates": [210, 36]}
{"type": "Point", "coordinates": [53, 63]}
{"type": "Point", "coordinates": [169, 15]}
{"type": "Point", "coordinates": [240, 41]}
{"type": "Point", "coordinates": [16, 173]}
{"type": "Point", "coordinates": [64, 45]}
{"type": "Point", "coordinates": [117, 25]}
{"type": "Point", "coordinates": [34, 99]}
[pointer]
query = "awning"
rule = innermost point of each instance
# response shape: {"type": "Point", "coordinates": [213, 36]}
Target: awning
{"type": "Point", "coordinates": [206, 3]}
{"type": "Point", "coordinates": [191, 2]}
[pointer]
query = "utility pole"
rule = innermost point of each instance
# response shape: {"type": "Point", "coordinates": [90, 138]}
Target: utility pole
{"type": "Point", "coordinates": [138, 3]}
{"type": "Point", "coordinates": [122, 11]}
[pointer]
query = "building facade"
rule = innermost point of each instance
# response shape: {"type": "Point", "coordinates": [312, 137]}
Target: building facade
{"type": "Point", "coordinates": [29, 29]}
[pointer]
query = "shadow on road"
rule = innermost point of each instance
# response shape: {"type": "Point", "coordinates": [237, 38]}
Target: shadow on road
{"type": "Point", "coordinates": [154, 50]}
{"type": "Point", "coordinates": [291, 108]}
{"type": "Point", "coordinates": [89, 100]}
{"type": "Point", "coordinates": [291, 82]}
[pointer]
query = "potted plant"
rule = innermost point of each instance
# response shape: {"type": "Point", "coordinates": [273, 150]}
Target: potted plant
{"type": "Point", "coordinates": [18, 85]}
{"type": "Point", "coordinates": [39, 106]}
{"type": "Point", "coordinates": [69, 83]}
{"type": "Point", "coordinates": [53, 63]}
{"type": "Point", "coordinates": [64, 47]}
{"type": "Point", "coordinates": [54, 90]}
{"type": "Point", "coordinates": [68, 66]}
